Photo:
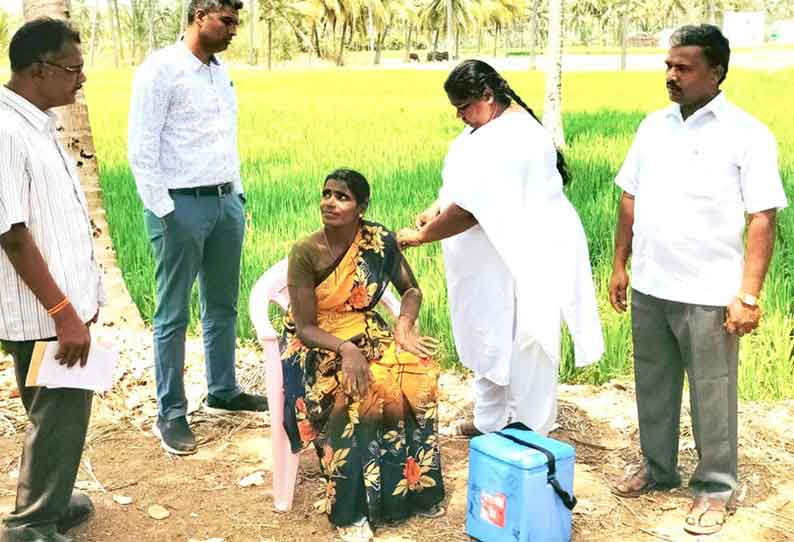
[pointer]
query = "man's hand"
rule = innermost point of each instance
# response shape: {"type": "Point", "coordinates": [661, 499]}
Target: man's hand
{"type": "Point", "coordinates": [741, 318]}
{"type": "Point", "coordinates": [74, 340]}
{"type": "Point", "coordinates": [427, 215]}
{"type": "Point", "coordinates": [407, 337]}
{"type": "Point", "coordinates": [409, 237]}
{"type": "Point", "coordinates": [618, 284]}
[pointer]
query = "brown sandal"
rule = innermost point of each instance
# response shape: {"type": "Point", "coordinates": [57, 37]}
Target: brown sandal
{"type": "Point", "coordinates": [638, 482]}
{"type": "Point", "coordinates": [465, 430]}
{"type": "Point", "coordinates": [703, 505]}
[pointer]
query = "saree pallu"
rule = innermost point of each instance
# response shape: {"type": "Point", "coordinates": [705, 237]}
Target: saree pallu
{"type": "Point", "coordinates": [379, 453]}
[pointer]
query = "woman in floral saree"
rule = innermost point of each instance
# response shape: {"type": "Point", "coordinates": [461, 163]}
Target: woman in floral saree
{"type": "Point", "coordinates": [364, 396]}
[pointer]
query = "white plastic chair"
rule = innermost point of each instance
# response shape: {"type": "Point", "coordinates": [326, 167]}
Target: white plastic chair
{"type": "Point", "coordinates": [272, 287]}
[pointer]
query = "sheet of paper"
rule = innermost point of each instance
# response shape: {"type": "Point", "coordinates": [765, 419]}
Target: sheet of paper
{"type": "Point", "coordinates": [97, 375]}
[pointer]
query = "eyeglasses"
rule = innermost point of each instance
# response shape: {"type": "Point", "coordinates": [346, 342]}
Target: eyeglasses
{"type": "Point", "coordinates": [74, 70]}
{"type": "Point", "coordinates": [464, 106]}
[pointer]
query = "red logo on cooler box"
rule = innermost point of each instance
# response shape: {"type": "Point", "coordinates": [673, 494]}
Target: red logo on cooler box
{"type": "Point", "coordinates": [492, 508]}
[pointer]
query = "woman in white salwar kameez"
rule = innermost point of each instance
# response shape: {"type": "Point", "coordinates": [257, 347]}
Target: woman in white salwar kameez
{"type": "Point", "coordinates": [515, 253]}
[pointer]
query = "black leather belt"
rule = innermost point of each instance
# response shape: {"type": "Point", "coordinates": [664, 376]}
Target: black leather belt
{"type": "Point", "coordinates": [217, 190]}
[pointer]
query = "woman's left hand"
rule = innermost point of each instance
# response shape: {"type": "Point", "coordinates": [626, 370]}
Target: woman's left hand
{"type": "Point", "coordinates": [409, 237]}
{"type": "Point", "coordinates": [407, 337]}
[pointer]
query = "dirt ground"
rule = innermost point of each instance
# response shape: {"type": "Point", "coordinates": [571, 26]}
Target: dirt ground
{"type": "Point", "coordinates": [206, 502]}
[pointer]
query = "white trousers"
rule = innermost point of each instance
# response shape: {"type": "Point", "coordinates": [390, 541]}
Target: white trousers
{"type": "Point", "coordinates": [530, 396]}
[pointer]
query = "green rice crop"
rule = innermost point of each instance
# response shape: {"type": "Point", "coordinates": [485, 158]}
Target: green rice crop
{"type": "Point", "coordinates": [394, 126]}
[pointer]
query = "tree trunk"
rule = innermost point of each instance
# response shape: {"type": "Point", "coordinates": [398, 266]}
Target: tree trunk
{"type": "Point", "coordinates": [340, 61]}
{"type": "Point", "coordinates": [552, 109]}
{"type": "Point", "coordinates": [94, 32]}
{"type": "Point", "coordinates": [533, 37]}
{"type": "Point", "coordinates": [186, 5]}
{"type": "Point", "coordinates": [152, 13]}
{"type": "Point", "coordinates": [133, 32]}
{"type": "Point", "coordinates": [317, 46]}
{"type": "Point", "coordinates": [408, 41]}
{"type": "Point", "coordinates": [457, 44]}
{"type": "Point", "coordinates": [479, 39]}
{"type": "Point", "coordinates": [370, 28]}
{"type": "Point", "coordinates": [450, 37]}
{"type": "Point", "coordinates": [379, 39]}
{"type": "Point", "coordinates": [115, 27]}
{"type": "Point", "coordinates": [495, 39]}
{"type": "Point", "coordinates": [624, 39]}
{"type": "Point", "coordinates": [435, 43]}
{"type": "Point", "coordinates": [74, 128]}
{"type": "Point", "coordinates": [252, 33]}
{"type": "Point", "coordinates": [270, 44]}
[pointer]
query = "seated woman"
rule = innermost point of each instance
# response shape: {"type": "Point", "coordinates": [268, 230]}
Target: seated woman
{"type": "Point", "coordinates": [363, 395]}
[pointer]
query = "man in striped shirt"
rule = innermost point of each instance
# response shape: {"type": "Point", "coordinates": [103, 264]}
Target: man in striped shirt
{"type": "Point", "coordinates": [50, 286]}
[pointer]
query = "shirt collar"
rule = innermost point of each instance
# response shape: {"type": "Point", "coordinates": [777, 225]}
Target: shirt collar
{"type": "Point", "coordinates": [717, 107]}
{"type": "Point", "coordinates": [195, 62]}
{"type": "Point", "coordinates": [43, 121]}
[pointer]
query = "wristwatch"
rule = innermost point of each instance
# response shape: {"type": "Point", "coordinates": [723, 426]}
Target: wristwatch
{"type": "Point", "coordinates": [748, 299]}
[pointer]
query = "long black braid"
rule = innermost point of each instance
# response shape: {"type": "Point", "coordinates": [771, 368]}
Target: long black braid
{"type": "Point", "coordinates": [471, 78]}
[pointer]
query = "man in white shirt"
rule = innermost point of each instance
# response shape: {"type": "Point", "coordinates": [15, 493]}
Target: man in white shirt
{"type": "Point", "coordinates": [699, 173]}
{"type": "Point", "coordinates": [183, 153]}
{"type": "Point", "coordinates": [50, 281]}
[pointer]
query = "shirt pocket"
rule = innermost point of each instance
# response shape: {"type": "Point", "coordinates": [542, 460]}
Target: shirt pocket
{"type": "Point", "coordinates": [193, 101]}
{"type": "Point", "coordinates": [715, 175]}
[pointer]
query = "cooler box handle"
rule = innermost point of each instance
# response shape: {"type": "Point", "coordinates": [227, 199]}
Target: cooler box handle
{"type": "Point", "coordinates": [567, 499]}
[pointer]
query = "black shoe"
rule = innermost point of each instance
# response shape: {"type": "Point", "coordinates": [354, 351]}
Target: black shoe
{"type": "Point", "coordinates": [239, 403]}
{"type": "Point", "coordinates": [175, 435]}
{"type": "Point", "coordinates": [78, 511]}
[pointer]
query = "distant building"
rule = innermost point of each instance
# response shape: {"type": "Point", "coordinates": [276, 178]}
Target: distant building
{"type": "Point", "coordinates": [744, 28]}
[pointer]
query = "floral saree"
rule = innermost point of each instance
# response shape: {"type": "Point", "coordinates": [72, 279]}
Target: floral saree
{"type": "Point", "coordinates": [379, 454]}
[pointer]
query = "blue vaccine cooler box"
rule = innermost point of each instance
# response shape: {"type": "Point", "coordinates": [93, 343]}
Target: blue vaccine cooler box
{"type": "Point", "coordinates": [520, 487]}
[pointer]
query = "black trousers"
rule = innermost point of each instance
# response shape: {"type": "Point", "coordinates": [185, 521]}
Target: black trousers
{"type": "Point", "coordinates": [52, 449]}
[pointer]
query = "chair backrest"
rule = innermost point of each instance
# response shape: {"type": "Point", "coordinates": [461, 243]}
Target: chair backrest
{"type": "Point", "coordinates": [272, 287]}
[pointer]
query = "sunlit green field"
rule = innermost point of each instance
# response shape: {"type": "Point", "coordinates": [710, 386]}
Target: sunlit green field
{"type": "Point", "coordinates": [394, 126]}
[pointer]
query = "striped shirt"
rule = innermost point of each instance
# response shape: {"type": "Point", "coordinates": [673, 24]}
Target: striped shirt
{"type": "Point", "coordinates": [39, 187]}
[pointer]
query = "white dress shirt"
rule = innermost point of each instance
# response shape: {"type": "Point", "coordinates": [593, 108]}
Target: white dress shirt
{"type": "Point", "coordinates": [693, 181]}
{"type": "Point", "coordinates": [182, 126]}
{"type": "Point", "coordinates": [39, 187]}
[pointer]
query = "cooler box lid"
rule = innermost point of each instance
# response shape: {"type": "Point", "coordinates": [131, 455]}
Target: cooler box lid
{"type": "Point", "coordinates": [521, 456]}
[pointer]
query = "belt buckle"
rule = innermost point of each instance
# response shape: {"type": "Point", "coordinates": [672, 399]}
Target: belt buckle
{"type": "Point", "coordinates": [220, 190]}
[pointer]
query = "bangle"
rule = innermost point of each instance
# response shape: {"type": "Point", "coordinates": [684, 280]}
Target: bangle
{"type": "Point", "coordinates": [58, 307]}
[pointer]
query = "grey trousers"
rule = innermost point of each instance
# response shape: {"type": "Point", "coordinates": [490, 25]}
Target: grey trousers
{"type": "Point", "coordinates": [671, 338]}
{"type": "Point", "coordinates": [52, 449]}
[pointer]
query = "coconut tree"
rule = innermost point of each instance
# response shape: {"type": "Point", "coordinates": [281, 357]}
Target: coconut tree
{"type": "Point", "coordinates": [450, 13]}
{"type": "Point", "coordinates": [407, 12]}
{"type": "Point", "coordinates": [74, 128]}
{"type": "Point", "coordinates": [625, 12]}
{"type": "Point", "coordinates": [552, 109]}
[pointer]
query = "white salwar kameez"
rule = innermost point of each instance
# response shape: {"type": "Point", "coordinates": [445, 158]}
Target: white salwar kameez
{"type": "Point", "coordinates": [514, 278]}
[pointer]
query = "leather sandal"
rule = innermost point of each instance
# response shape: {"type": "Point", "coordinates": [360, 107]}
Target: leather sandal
{"type": "Point", "coordinates": [638, 482]}
{"type": "Point", "coordinates": [703, 505]}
